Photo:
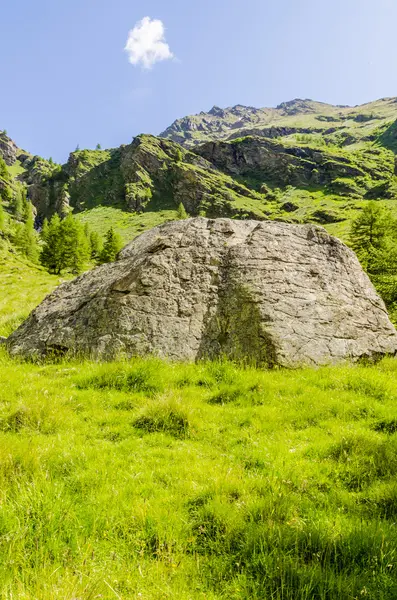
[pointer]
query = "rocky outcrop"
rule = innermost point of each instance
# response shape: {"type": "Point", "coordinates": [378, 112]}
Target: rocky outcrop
{"type": "Point", "coordinates": [262, 292]}
{"type": "Point", "coordinates": [275, 132]}
{"type": "Point", "coordinates": [271, 161]}
{"type": "Point", "coordinates": [8, 149]}
{"type": "Point", "coordinates": [149, 171]}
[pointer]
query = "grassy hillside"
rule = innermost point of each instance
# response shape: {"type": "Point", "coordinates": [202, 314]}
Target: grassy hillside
{"type": "Point", "coordinates": [23, 286]}
{"type": "Point", "coordinates": [154, 481]}
{"type": "Point", "coordinates": [128, 225]}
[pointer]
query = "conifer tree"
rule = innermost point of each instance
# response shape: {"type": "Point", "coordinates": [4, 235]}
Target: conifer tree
{"type": "Point", "coordinates": [74, 245]}
{"type": "Point", "coordinates": [27, 208]}
{"type": "Point", "coordinates": [44, 230]}
{"type": "Point", "coordinates": [25, 237]}
{"type": "Point", "coordinates": [51, 254]}
{"type": "Point", "coordinates": [4, 174]}
{"type": "Point", "coordinates": [181, 212]}
{"type": "Point", "coordinates": [66, 247]}
{"type": "Point", "coordinates": [18, 204]}
{"type": "Point", "coordinates": [68, 238]}
{"type": "Point", "coordinates": [111, 247]}
{"type": "Point", "coordinates": [370, 237]}
{"type": "Point", "coordinates": [2, 219]}
{"type": "Point", "coordinates": [83, 248]}
{"type": "Point", "coordinates": [95, 245]}
{"type": "Point", "coordinates": [369, 230]}
{"type": "Point", "coordinates": [5, 180]}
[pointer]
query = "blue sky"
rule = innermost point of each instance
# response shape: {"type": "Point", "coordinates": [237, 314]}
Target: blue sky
{"type": "Point", "coordinates": [66, 79]}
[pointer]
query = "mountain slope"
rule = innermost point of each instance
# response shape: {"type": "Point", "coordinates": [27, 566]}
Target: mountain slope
{"type": "Point", "coordinates": [343, 125]}
{"type": "Point", "coordinates": [222, 124]}
{"type": "Point", "coordinates": [303, 161]}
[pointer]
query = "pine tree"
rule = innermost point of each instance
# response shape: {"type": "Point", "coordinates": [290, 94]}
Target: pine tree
{"type": "Point", "coordinates": [74, 245]}
{"type": "Point", "coordinates": [68, 239]}
{"type": "Point", "coordinates": [83, 250]}
{"type": "Point", "coordinates": [44, 230]}
{"type": "Point", "coordinates": [370, 237]}
{"type": "Point", "coordinates": [25, 237]}
{"type": "Point", "coordinates": [51, 254]}
{"type": "Point", "coordinates": [111, 247]}
{"type": "Point", "coordinates": [96, 245]}
{"type": "Point", "coordinates": [370, 228]}
{"type": "Point", "coordinates": [87, 234]}
{"type": "Point", "coordinates": [27, 208]}
{"type": "Point", "coordinates": [66, 247]}
{"type": "Point", "coordinates": [17, 204]}
{"type": "Point", "coordinates": [2, 219]}
{"type": "Point", "coordinates": [5, 181]}
{"type": "Point", "coordinates": [181, 212]}
{"type": "Point", "coordinates": [4, 174]}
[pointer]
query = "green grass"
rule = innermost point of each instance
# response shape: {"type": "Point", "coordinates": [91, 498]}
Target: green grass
{"type": "Point", "coordinates": [128, 225]}
{"type": "Point", "coordinates": [151, 480]}
{"type": "Point", "coordinates": [23, 286]}
{"type": "Point", "coordinates": [16, 169]}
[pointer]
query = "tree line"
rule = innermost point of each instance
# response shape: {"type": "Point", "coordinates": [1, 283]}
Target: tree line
{"type": "Point", "coordinates": [60, 244]}
{"type": "Point", "coordinates": [68, 245]}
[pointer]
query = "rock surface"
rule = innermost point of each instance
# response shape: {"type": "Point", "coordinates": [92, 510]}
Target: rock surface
{"type": "Point", "coordinates": [280, 164]}
{"type": "Point", "coordinates": [8, 149]}
{"type": "Point", "coordinates": [266, 292]}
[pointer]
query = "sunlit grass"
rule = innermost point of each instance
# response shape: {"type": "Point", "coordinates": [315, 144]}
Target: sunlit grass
{"type": "Point", "coordinates": [145, 479]}
{"type": "Point", "coordinates": [23, 286]}
{"type": "Point", "coordinates": [128, 225]}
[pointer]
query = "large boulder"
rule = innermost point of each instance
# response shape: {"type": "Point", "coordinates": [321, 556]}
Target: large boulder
{"type": "Point", "coordinates": [265, 292]}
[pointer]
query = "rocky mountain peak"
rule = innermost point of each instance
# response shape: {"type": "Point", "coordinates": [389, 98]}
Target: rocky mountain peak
{"type": "Point", "coordinates": [216, 111]}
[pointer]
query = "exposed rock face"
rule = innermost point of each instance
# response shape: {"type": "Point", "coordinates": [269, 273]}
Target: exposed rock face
{"type": "Point", "coordinates": [8, 149]}
{"type": "Point", "coordinates": [266, 292]}
{"type": "Point", "coordinates": [280, 164]}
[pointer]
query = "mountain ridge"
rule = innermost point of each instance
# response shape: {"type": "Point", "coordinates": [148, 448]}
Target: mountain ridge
{"type": "Point", "coordinates": [302, 161]}
{"type": "Point", "coordinates": [221, 123]}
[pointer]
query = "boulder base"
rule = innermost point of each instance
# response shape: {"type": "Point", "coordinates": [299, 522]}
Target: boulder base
{"type": "Point", "coordinates": [264, 292]}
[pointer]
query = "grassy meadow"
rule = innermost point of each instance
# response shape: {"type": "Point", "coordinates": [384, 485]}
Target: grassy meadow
{"type": "Point", "coordinates": [148, 480]}
{"type": "Point", "coordinates": [22, 287]}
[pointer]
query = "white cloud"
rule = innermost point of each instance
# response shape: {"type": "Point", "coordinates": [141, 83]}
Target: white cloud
{"type": "Point", "coordinates": [146, 43]}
